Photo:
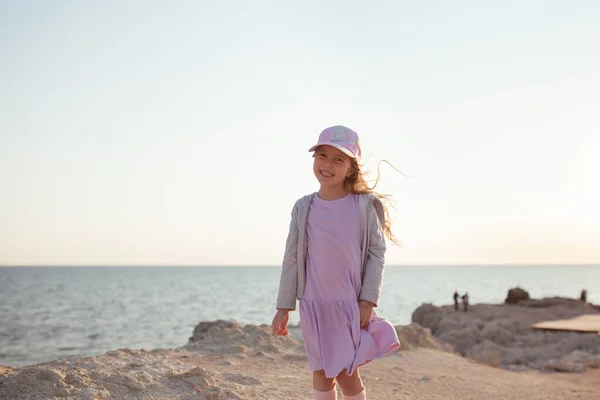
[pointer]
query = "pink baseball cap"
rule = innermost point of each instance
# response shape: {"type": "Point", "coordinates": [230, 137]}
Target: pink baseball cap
{"type": "Point", "coordinates": [342, 138]}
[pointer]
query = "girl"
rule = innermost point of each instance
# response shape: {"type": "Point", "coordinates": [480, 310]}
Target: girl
{"type": "Point", "coordinates": [333, 264]}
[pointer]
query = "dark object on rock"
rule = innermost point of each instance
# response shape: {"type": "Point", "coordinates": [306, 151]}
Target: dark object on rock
{"type": "Point", "coordinates": [465, 301]}
{"type": "Point", "coordinates": [515, 295]}
{"type": "Point", "coordinates": [455, 297]}
{"type": "Point", "coordinates": [583, 296]}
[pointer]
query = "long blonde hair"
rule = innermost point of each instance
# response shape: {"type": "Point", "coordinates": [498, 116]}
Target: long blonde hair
{"type": "Point", "coordinates": [356, 183]}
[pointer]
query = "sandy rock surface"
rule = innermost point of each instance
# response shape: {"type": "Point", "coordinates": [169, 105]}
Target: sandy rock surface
{"type": "Point", "coordinates": [227, 361]}
{"type": "Point", "coordinates": [501, 335]}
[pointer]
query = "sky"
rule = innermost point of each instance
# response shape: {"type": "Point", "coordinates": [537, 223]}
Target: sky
{"type": "Point", "coordinates": [177, 133]}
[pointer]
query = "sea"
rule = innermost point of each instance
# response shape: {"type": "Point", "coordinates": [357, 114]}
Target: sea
{"type": "Point", "coordinates": [47, 313]}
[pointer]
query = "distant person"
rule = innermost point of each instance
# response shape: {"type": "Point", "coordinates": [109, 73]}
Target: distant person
{"type": "Point", "coordinates": [338, 284]}
{"type": "Point", "coordinates": [465, 301]}
{"type": "Point", "coordinates": [583, 296]}
{"type": "Point", "coordinates": [455, 300]}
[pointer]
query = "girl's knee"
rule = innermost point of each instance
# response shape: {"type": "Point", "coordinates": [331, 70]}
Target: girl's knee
{"type": "Point", "coordinates": [351, 384]}
{"type": "Point", "coordinates": [321, 381]}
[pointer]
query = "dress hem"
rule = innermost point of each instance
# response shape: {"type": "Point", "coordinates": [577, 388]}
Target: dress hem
{"type": "Point", "coordinates": [393, 346]}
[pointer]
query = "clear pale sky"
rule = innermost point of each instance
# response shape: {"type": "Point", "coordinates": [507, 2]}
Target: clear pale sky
{"type": "Point", "coordinates": [176, 133]}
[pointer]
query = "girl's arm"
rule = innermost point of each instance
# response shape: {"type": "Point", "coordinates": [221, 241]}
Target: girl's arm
{"type": "Point", "coordinates": [286, 298]}
{"type": "Point", "coordinates": [371, 284]}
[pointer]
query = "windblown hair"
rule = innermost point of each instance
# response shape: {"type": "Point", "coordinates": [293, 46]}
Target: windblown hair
{"type": "Point", "coordinates": [356, 183]}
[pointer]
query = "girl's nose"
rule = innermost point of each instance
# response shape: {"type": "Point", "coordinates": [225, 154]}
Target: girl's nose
{"type": "Point", "coordinates": [327, 162]}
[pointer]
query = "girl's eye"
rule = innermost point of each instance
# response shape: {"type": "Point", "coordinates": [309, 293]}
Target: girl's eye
{"type": "Point", "coordinates": [338, 160]}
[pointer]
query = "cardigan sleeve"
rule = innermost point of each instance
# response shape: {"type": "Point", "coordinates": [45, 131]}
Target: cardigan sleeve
{"type": "Point", "coordinates": [373, 277]}
{"type": "Point", "coordinates": [286, 297]}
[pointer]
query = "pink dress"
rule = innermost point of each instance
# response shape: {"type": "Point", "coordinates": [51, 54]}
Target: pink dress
{"type": "Point", "coordinates": [329, 313]}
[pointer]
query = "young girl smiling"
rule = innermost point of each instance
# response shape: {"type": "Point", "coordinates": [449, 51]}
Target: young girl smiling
{"type": "Point", "coordinates": [333, 264]}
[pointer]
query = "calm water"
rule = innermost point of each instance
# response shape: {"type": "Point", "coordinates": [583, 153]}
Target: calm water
{"type": "Point", "coordinates": [50, 312]}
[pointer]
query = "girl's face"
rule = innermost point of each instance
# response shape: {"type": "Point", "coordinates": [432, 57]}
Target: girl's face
{"type": "Point", "coordinates": [331, 167]}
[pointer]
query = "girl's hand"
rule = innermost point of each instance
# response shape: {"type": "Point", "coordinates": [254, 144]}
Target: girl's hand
{"type": "Point", "coordinates": [280, 322]}
{"type": "Point", "coordinates": [366, 310]}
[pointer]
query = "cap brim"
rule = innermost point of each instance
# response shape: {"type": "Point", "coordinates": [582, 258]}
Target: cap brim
{"type": "Point", "coordinates": [337, 146]}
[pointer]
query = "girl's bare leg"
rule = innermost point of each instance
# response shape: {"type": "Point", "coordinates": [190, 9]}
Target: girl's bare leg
{"type": "Point", "coordinates": [352, 385]}
{"type": "Point", "coordinates": [323, 387]}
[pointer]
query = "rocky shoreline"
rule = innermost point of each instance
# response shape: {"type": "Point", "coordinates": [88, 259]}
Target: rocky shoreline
{"type": "Point", "coordinates": [501, 335]}
{"type": "Point", "coordinates": [445, 354]}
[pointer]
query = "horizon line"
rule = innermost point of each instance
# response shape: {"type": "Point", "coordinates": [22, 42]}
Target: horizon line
{"type": "Point", "coordinates": [541, 264]}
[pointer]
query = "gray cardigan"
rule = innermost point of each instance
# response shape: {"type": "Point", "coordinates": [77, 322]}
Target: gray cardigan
{"type": "Point", "coordinates": [293, 272]}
